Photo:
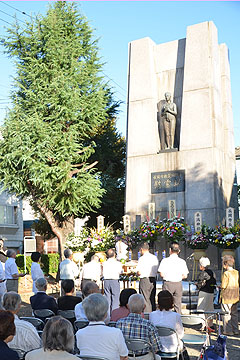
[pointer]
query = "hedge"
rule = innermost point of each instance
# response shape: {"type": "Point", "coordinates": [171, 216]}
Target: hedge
{"type": "Point", "coordinates": [49, 263]}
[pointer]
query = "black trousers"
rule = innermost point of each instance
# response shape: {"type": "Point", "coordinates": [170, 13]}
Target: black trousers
{"type": "Point", "coordinates": [147, 287]}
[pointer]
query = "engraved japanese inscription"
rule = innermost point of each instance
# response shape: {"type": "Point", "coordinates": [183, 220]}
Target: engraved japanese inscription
{"type": "Point", "coordinates": [167, 181]}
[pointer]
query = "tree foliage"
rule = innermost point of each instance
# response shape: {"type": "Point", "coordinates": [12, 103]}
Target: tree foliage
{"type": "Point", "coordinates": [59, 102]}
{"type": "Point", "coordinates": [110, 152]}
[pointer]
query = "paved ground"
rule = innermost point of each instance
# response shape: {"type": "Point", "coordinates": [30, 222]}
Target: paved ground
{"type": "Point", "coordinates": [233, 342]}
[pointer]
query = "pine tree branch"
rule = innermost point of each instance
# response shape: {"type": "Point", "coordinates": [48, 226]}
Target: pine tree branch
{"type": "Point", "coordinates": [76, 171]}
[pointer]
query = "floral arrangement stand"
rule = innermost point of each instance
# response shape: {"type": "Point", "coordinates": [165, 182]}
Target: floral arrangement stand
{"type": "Point", "coordinates": [174, 229]}
{"type": "Point", "coordinates": [227, 238]}
{"type": "Point", "coordinates": [198, 242]}
{"type": "Point", "coordinates": [129, 276]}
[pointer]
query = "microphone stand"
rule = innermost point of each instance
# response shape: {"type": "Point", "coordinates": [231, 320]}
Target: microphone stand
{"type": "Point", "coordinates": [189, 288]}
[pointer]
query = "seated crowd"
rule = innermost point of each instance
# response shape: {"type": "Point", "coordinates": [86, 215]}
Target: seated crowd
{"type": "Point", "coordinates": [57, 338]}
{"type": "Point", "coordinates": [62, 338]}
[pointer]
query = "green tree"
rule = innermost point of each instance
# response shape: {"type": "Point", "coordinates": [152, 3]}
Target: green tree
{"type": "Point", "coordinates": [58, 103]}
{"type": "Point", "coordinates": [110, 152]}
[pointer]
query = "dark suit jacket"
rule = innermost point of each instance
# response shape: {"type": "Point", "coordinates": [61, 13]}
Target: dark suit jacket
{"type": "Point", "coordinates": [43, 301]}
{"type": "Point", "coordinates": [6, 353]}
{"type": "Point", "coordinates": [68, 302]}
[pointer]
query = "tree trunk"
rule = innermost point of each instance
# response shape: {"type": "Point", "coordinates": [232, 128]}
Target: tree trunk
{"type": "Point", "coordinates": [61, 230]}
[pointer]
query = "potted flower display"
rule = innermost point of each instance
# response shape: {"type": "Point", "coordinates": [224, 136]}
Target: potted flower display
{"type": "Point", "coordinates": [226, 238]}
{"type": "Point", "coordinates": [199, 241]}
{"type": "Point", "coordinates": [149, 231]}
{"type": "Point", "coordinates": [174, 229]}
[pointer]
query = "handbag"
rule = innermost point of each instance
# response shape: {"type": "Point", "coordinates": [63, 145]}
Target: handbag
{"type": "Point", "coordinates": [218, 350]}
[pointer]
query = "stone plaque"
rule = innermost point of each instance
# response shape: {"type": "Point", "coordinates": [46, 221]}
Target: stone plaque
{"type": "Point", "coordinates": [198, 221]}
{"type": "Point", "coordinates": [229, 217]}
{"type": "Point", "coordinates": [168, 181]}
{"type": "Point", "coordinates": [172, 208]}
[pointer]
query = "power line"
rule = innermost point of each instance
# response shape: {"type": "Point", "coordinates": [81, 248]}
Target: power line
{"type": "Point", "coordinates": [11, 16]}
{"type": "Point", "coordinates": [114, 81]}
{"type": "Point", "coordinates": [6, 22]}
{"type": "Point", "coordinates": [22, 12]}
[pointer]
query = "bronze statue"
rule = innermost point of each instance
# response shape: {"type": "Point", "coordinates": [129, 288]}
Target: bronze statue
{"type": "Point", "coordinates": [168, 113]}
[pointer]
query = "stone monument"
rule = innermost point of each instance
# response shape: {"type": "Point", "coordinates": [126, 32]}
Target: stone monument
{"type": "Point", "coordinates": [181, 148]}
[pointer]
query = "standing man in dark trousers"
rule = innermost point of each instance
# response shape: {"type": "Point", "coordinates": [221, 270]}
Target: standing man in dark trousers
{"type": "Point", "coordinates": [173, 270]}
{"type": "Point", "coordinates": [111, 271]}
{"type": "Point", "coordinates": [147, 270]}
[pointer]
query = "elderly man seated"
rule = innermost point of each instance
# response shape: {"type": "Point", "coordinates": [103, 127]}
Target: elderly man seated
{"type": "Point", "coordinates": [26, 337]}
{"type": "Point", "coordinates": [135, 327]}
{"type": "Point", "coordinates": [89, 288]}
{"type": "Point", "coordinates": [41, 300]}
{"type": "Point", "coordinates": [97, 339]}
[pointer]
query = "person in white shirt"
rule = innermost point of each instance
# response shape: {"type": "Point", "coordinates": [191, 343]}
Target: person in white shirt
{"type": "Point", "coordinates": [36, 271]}
{"type": "Point", "coordinates": [68, 269]}
{"type": "Point", "coordinates": [166, 317]}
{"type": "Point", "coordinates": [11, 271]}
{"type": "Point", "coordinates": [26, 337]}
{"type": "Point", "coordinates": [97, 339]}
{"type": "Point", "coordinates": [173, 270]}
{"type": "Point", "coordinates": [91, 271]}
{"type": "Point", "coordinates": [89, 288]}
{"type": "Point", "coordinates": [147, 270]}
{"type": "Point", "coordinates": [2, 281]}
{"type": "Point", "coordinates": [111, 271]}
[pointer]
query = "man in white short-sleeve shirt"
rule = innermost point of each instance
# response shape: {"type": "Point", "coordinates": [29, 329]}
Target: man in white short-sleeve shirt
{"type": "Point", "coordinates": [111, 271]}
{"type": "Point", "coordinates": [147, 269]}
{"type": "Point", "coordinates": [173, 270]}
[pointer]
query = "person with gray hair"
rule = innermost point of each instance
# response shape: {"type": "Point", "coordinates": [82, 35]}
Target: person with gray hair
{"type": "Point", "coordinates": [11, 271]}
{"type": "Point", "coordinates": [135, 327]}
{"type": "Point", "coordinates": [57, 339]}
{"type": "Point", "coordinates": [68, 268]}
{"type": "Point", "coordinates": [41, 300]}
{"type": "Point", "coordinates": [26, 337]}
{"type": "Point", "coordinates": [89, 288]}
{"type": "Point", "coordinates": [206, 284]}
{"type": "Point", "coordinates": [96, 339]}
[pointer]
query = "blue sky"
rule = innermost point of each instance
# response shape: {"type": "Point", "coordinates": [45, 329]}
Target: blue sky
{"type": "Point", "coordinates": [116, 23]}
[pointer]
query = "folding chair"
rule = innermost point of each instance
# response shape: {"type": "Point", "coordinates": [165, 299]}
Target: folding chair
{"type": "Point", "coordinates": [21, 353]}
{"type": "Point", "coordinates": [68, 314]}
{"type": "Point", "coordinates": [112, 323]}
{"type": "Point", "coordinates": [194, 339]}
{"type": "Point", "coordinates": [166, 331]}
{"type": "Point", "coordinates": [136, 345]}
{"type": "Point", "coordinates": [91, 357]}
{"type": "Point", "coordinates": [43, 314]}
{"type": "Point", "coordinates": [80, 324]}
{"type": "Point", "coordinates": [37, 323]}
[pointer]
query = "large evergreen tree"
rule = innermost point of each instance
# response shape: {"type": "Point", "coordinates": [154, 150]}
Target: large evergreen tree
{"type": "Point", "coordinates": [58, 105]}
{"type": "Point", "coordinates": [110, 152]}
